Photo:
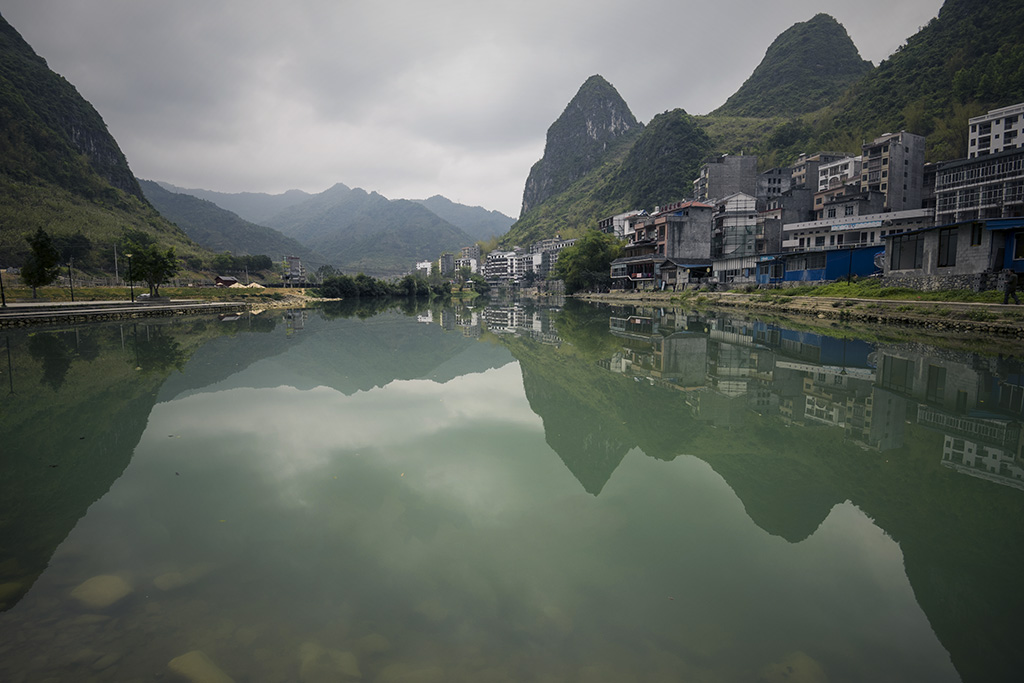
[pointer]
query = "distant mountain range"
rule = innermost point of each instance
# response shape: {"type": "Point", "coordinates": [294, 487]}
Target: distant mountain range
{"type": "Point", "coordinates": [354, 230]}
{"type": "Point", "coordinates": [221, 230]}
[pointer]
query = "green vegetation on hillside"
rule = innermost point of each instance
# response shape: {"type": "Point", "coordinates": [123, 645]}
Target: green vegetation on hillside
{"type": "Point", "coordinates": [60, 170]}
{"type": "Point", "coordinates": [579, 140]}
{"type": "Point", "coordinates": [805, 68]}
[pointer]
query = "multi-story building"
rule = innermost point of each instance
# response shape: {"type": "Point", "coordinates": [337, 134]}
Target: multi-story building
{"type": "Point", "coordinates": [805, 170]}
{"type": "Point", "coordinates": [500, 265]}
{"type": "Point", "coordinates": [446, 264]}
{"type": "Point", "coordinates": [996, 131]}
{"type": "Point", "coordinates": [471, 252]}
{"type": "Point", "coordinates": [893, 164]}
{"type": "Point", "coordinates": [724, 176]}
{"type": "Point", "coordinates": [294, 271]}
{"type": "Point", "coordinates": [773, 183]}
{"type": "Point", "coordinates": [837, 173]}
{"type": "Point", "coordinates": [621, 225]}
{"type": "Point", "coordinates": [987, 186]}
{"type": "Point", "coordinates": [853, 230]}
{"type": "Point", "coordinates": [734, 226]}
{"type": "Point", "coordinates": [793, 206]}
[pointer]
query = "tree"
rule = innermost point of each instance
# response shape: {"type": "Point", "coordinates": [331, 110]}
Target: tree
{"type": "Point", "coordinates": [587, 264]}
{"type": "Point", "coordinates": [325, 271]}
{"type": "Point", "coordinates": [43, 263]}
{"type": "Point", "coordinates": [153, 266]}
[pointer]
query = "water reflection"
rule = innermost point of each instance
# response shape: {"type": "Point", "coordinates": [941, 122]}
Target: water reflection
{"type": "Point", "coordinates": [507, 493]}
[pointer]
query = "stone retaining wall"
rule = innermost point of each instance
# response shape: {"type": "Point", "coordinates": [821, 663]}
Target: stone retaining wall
{"type": "Point", "coordinates": [57, 317]}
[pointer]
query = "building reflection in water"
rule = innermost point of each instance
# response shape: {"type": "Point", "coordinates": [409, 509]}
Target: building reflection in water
{"type": "Point", "coordinates": [726, 366]}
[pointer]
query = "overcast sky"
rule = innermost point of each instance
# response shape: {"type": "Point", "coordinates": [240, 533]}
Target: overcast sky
{"type": "Point", "coordinates": [409, 98]}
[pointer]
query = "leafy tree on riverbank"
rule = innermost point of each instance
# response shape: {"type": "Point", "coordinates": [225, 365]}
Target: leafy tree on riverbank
{"type": "Point", "coordinates": [152, 265]}
{"type": "Point", "coordinates": [43, 263]}
{"type": "Point", "coordinates": [364, 286]}
{"type": "Point", "coordinates": [586, 265]}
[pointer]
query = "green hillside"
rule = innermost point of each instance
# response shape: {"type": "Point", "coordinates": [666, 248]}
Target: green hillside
{"type": "Point", "coordinates": [654, 165]}
{"type": "Point", "coordinates": [220, 230]}
{"type": "Point", "coordinates": [579, 140]}
{"type": "Point", "coordinates": [61, 170]}
{"type": "Point", "coordinates": [804, 69]}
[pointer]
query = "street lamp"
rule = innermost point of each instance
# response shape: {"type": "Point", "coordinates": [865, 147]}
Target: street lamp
{"type": "Point", "coordinates": [131, 283]}
{"type": "Point", "coordinates": [71, 280]}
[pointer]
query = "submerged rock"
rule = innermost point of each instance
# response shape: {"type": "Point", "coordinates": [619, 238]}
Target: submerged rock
{"type": "Point", "coordinates": [797, 667]}
{"type": "Point", "coordinates": [101, 591]}
{"type": "Point", "coordinates": [196, 667]}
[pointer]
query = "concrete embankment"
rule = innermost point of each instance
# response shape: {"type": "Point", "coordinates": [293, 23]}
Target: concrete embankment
{"type": "Point", "coordinates": [63, 313]}
{"type": "Point", "coordinates": [954, 317]}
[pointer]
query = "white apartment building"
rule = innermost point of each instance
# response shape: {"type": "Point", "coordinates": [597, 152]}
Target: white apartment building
{"type": "Point", "coordinates": [996, 131]}
{"type": "Point", "coordinates": [836, 173]}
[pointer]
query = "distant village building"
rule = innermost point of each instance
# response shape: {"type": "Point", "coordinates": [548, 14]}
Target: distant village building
{"type": "Point", "coordinates": [996, 131]}
{"type": "Point", "coordinates": [837, 173]}
{"type": "Point", "coordinates": [734, 226]}
{"type": "Point", "coordinates": [853, 230]}
{"type": "Point", "coordinates": [294, 272]}
{"type": "Point", "coordinates": [446, 264]}
{"type": "Point", "coordinates": [987, 186]}
{"type": "Point", "coordinates": [805, 170]}
{"type": "Point", "coordinates": [893, 164]}
{"type": "Point", "coordinates": [773, 183]}
{"type": "Point", "coordinates": [724, 176]}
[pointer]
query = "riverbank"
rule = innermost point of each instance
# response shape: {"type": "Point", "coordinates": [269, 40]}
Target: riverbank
{"type": "Point", "coordinates": [943, 316]}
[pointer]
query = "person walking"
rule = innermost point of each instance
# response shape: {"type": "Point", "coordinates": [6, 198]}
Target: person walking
{"type": "Point", "coordinates": [1010, 287]}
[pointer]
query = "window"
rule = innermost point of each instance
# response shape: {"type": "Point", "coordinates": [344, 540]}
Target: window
{"type": "Point", "coordinates": [936, 383]}
{"type": "Point", "coordinates": [819, 241]}
{"type": "Point", "coordinates": [947, 247]}
{"type": "Point", "coordinates": [815, 261]}
{"type": "Point", "coordinates": [907, 252]}
{"type": "Point", "coordinates": [1018, 245]}
{"type": "Point", "coordinates": [897, 374]}
{"type": "Point", "coordinates": [831, 212]}
{"type": "Point", "coordinates": [976, 233]}
{"type": "Point", "coordinates": [848, 210]}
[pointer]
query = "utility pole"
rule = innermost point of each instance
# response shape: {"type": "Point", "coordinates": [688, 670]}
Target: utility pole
{"type": "Point", "coordinates": [71, 281]}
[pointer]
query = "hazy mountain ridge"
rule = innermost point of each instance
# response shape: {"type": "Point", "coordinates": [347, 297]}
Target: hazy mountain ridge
{"type": "Point", "coordinates": [361, 231]}
{"type": "Point", "coordinates": [476, 221]}
{"type": "Point", "coordinates": [255, 207]}
{"type": "Point", "coordinates": [221, 230]}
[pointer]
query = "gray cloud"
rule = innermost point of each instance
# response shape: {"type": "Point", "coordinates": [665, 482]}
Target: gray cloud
{"type": "Point", "coordinates": [407, 98]}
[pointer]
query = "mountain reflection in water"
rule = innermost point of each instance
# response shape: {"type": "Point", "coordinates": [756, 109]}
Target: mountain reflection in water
{"type": "Point", "coordinates": [350, 493]}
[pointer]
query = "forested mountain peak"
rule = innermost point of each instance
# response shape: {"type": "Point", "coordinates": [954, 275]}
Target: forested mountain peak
{"type": "Point", "coordinates": [595, 118]}
{"type": "Point", "coordinates": [806, 67]}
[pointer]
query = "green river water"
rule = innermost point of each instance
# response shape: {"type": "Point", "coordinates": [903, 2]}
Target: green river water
{"type": "Point", "coordinates": [512, 493]}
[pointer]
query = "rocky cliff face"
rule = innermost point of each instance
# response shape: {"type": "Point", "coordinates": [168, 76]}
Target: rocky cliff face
{"type": "Point", "coordinates": [595, 118]}
{"type": "Point", "coordinates": [47, 122]}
